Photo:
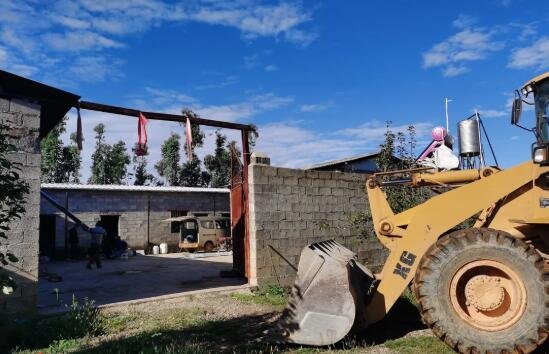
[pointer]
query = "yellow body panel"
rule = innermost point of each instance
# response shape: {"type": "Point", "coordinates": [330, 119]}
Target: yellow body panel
{"type": "Point", "coordinates": [499, 197]}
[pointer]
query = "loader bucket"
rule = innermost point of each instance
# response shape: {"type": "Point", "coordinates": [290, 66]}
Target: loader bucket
{"type": "Point", "coordinates": [329, 291]}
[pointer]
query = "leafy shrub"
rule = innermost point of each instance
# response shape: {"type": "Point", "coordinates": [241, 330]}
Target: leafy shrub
{"type": "Point", "coordinates": [12, 204]}
{"type": "Point", "coordinates": [81, 320]}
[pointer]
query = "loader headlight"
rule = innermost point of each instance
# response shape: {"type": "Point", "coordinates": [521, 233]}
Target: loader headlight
{"type": "Point", "coordinates": [540, 154]}
{"type": "Point", "coordinates": [526, 90]}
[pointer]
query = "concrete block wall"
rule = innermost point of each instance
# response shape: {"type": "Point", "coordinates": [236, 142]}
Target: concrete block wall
{"type": "Point", "coordinates": [132, 208]}
{"type": "Point", "coordinates": [291, 208]}
{"type": "Point", "coordinates": [23, 120]}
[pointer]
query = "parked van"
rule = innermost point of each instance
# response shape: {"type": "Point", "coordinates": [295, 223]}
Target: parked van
{"type": "Point", "coordinates": [203, 233]}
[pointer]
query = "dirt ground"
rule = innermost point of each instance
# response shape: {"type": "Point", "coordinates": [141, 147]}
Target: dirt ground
{"type": "Point", "coordinates": [138, 277]}
{"type": "Point", "coordinates": [243, 323]}
{"type": "Point", "coordinates": [228, 322]}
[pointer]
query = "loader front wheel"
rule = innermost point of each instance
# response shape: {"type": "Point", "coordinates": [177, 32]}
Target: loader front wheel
{"type": "Point", "coordinates": [481, 290]}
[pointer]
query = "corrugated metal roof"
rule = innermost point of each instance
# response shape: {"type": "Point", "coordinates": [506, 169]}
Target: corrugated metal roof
{"type": "Point", "coordinates": [124, 188]}
{"type": "Point", "coordinates": [344, 160]}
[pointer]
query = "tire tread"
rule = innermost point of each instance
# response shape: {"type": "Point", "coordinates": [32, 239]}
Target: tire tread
{"type": "Point", "coordinates": [457, 241]}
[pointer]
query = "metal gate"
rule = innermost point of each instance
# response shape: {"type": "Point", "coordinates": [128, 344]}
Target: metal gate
{"type": "Point", "coordinates": [239, 210]}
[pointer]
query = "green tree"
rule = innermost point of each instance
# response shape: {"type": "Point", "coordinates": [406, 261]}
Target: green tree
{"type": "Point", "coordinates": [60, 163]}
{"type": "Point", "coordinates": [100, 156]}
{"type": "Point", "coordinates": [141, 176]}
{"type": "Point", "coordinates": [397, 153]}
{"type": "Point", "coordinates": [12, 205]}
{"type": "Point", "coordinates": [191, 173]}
{"type": "Point", "coordinates": [168, 167]}
{"type": "Point", "coordinates": [109, 162]}
{"type": "Point", "coordinates": [118, 161]}
{"type": "Point", "coordinates": [218, 165]}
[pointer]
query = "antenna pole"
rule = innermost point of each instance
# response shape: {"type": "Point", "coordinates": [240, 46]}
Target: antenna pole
{"type": "Point", "coordinates": [446, 100]}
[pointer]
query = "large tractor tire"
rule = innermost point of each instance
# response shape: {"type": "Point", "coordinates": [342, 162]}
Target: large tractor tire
{"type": "Point", "coordinates": [483, 291]}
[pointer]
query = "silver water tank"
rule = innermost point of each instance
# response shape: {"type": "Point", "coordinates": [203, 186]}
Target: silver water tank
{"type": "Point", "coordinates": [469, 137]}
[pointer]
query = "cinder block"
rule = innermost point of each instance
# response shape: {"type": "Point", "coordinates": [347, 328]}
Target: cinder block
{"type": "Point", "coordinates": [31, 121]}
{"type": "Point", "coordinates": [311, 174]}
{"type": "Point", "coordinates": [290, 181]}
{"type": "Point", "coordinates": [33, 160]}
{"type": "Point", "coordinates": [11, 119]}
{"type": "Point", "coordinates": [287, 172]}
{"type": "Point", "coordinates": [4, 105]}
{"type": "Point", "coordinates": [306, 182]}
{"type": "Point", "coordinates": [275, 180]}
{"type": "Point", "coordinates": [17, 157]}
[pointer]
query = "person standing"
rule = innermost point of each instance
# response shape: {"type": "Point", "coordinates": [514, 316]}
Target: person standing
{"type": "Point", "coordinates": [94, 254]}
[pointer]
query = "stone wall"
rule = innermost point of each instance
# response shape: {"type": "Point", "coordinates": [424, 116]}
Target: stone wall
{"type": "Point", "coordinates": [23, 121]}
{"type": "Point", "coordinates": [132, 208]}
{"type": "Point", "coordinates": [291, 208]}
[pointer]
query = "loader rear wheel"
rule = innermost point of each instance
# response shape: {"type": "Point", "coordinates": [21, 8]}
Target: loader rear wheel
{"type": "Point", "coordinates": [483, 291]}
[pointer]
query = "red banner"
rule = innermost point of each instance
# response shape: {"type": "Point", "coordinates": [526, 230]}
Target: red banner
{"type": "Point", "coordinates": [189, 139]}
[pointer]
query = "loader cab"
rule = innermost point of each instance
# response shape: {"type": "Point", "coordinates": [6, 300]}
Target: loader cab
{"type": "Point", "coordinates": [535, 92]}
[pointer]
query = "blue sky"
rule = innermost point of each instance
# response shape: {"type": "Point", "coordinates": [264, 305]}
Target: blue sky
{"type": "Point", "coordinates": [318, 78]}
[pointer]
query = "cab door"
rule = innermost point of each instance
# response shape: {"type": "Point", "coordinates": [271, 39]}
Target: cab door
{"type": "Point", "coordinates": [207, 232]}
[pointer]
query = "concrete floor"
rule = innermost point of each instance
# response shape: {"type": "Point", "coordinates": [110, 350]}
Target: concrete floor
{"type": "Point", "coordinates": [138, 277]}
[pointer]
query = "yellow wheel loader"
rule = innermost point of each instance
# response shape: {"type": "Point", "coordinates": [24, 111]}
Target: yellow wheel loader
{"type": "Point", "coordinates": [483, 289]}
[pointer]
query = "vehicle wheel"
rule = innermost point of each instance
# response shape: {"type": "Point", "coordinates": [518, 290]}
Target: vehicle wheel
{"type": "Point", "coordinates": [208, 246]}
{"type": "Point", "coordinates": [483, 291]}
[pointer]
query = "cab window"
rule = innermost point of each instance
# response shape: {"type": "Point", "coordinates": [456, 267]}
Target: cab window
{"type": "Point", "coordinates": [222, 224]}
{"type": "Point", "coordinates": [206, 224]}
{"type": "Point", "coordinates": [190, 225]}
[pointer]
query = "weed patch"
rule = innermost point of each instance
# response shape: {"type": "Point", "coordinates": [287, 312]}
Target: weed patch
{"type": "Point", "coordinates": [419, 345]}
{"type": "Point", "coordinates": [269, 295]}
{"type": "Point", "coordinates": [81, 320]}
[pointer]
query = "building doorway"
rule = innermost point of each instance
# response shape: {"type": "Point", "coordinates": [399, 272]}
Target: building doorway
{"type": "Point", "coordinates": [47, 235]}
{"type": "Point", "coordinates": [110, 224]}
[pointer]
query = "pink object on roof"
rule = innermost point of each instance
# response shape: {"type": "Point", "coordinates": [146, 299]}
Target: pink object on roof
{"type": "Point", "coordinates": [438, 133]}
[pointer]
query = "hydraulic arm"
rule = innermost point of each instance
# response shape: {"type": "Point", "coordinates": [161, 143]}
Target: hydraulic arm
{"type": "Point", "coordinates": [409, 234]}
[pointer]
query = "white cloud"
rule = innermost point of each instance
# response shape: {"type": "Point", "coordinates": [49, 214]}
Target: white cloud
{"type": "Point", "coordinates": [22, 43]}
{"type": "Point", "coordinates": [464, 21]}
{"type": "Point", "coordinates": [46, 34]}
{"type": "Point", "coordinates": [492, 113]}
{"type": "Point", "coordinates": [226, 81]}
{"type": "Point", "coordinates": [451, 71]}
{"type": "Point", "coordinates": [280, 20]}
{"type": "Point", "coordinates": [467, 45]}
{"type": "Point", "coordinates": [374, 130]}
{"type": "Point", "coordinates": [71, 22]}
{"type": "Point", "coordinates": [289, 144]}
{"type": "Point", "coordinates": [251, 61]}
{"type": "Point", "coordinates": [79, 41]}
{"type": "Point", "coordinates": [163, 97]}
{"type": "Point", "coordinates": [271, 67]}
{"type": "Point", "coordinates": [312, 108]}
{"type": "Point", "coordinates": [533, 56]}
{"type": "Point", "coordinates": [94, 68]}
{"type": "Point", "coordinates": [250, 107]}
{"type": "Point", "coordinates": [12, 64]}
